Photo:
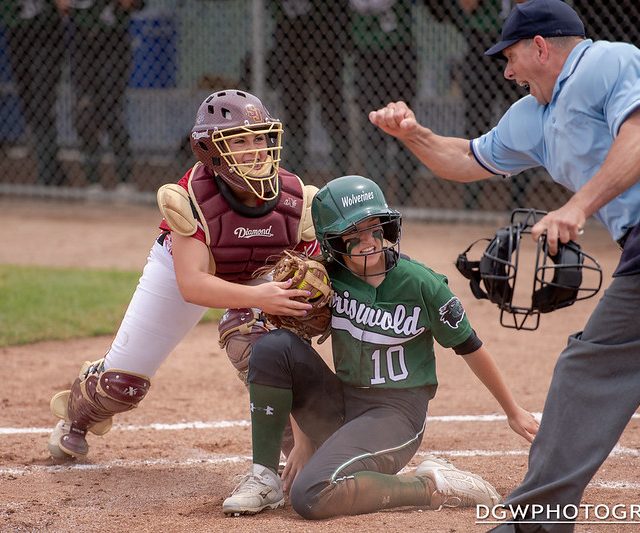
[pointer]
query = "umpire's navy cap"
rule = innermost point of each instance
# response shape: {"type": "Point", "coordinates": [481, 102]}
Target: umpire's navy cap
{"type": "Point", "coordinates": [547, 18]}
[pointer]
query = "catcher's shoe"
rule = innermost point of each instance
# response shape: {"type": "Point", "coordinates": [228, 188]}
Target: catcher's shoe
{"type": "Point", "coordinates": [261, 489]}
{"type": "Point", "coordinates": [453, 487]}
{"type": "Point", "coordinates": [61, 429]}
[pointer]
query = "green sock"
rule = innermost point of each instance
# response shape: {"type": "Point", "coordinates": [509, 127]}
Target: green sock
{"type": "Point", "coordinates": [270, 408]}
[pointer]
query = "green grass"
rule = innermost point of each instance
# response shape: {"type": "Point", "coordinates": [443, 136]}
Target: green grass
{"type": "Point", "coordinates": [38, 303]}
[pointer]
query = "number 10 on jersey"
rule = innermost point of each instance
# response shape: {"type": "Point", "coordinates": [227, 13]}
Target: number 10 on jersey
{"type": "Point", "coordinates": [395, 367]}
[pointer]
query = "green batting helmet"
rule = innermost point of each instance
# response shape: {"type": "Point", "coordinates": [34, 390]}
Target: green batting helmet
{"type": "Point", "coordinates": [343, 203]}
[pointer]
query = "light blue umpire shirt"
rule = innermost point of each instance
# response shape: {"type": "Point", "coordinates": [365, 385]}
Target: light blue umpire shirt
{"type": "Point", "coordinates": [598, 88]}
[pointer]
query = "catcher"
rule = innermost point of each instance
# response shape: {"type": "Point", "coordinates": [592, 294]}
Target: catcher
{"type": "Point", "coordinates": [226, 217]}
{"type": "Point", "coordinates": [365, 422]}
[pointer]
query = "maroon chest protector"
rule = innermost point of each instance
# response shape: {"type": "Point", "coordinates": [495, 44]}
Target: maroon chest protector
{"type": "Point", "coordinates": [246, 238]}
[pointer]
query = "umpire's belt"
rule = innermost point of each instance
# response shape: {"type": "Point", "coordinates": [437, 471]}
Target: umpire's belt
{"type": "Point", "coordinates": [622, 240]}
{"type": "Point", "coordinates": [630, 259]}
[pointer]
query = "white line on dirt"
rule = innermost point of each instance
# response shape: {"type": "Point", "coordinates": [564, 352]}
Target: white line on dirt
{"type": "Point", "coordinates": [617, 485]}
{"type": "Point", "coordinates": [156, 426]}
{"type": "Point", "coordinates": [120, 463]}
{"type": "Point", "coordinates": [617, 451]}
{"type": "Point", "coordinates": [219, 424]}
{"type": "Point", "coordinates": [222, 459]}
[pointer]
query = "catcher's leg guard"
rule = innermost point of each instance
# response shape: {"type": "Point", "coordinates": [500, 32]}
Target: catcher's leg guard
{"type": "Point", "coordinates": [239, 329]}
{"type": "Point", "coordinates": [95, 396]}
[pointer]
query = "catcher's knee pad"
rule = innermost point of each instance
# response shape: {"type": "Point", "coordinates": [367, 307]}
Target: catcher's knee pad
{"type": "Point", "coordinates": [239, 329]}
{"type": "Point", "coordinates": [95, 396]}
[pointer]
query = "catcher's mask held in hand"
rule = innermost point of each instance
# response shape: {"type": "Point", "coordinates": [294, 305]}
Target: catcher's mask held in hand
{"type": "Point", "coordinates": [341, 205]}
{"type": "Point", "coordinates": [557, 279]}
{"type": "Point", "coordinates": [226, 117]}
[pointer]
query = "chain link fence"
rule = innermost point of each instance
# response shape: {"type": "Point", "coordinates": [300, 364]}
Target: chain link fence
{"type": "Point", "coordinates": [97, 97]}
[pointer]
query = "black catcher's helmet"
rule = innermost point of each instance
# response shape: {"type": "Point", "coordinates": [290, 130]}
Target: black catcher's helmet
{"type": "Point", "coordinates": [557, 279]}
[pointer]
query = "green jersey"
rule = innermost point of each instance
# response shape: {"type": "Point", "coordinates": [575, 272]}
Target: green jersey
{"type": "Point", "coordinates": [98, 15]}
{"type": "Point", "coordinates": [383, 336]}
{"type": "Point", "coordinates": [18, 12]}
{"type": "Point", "coordinates": [384, 28]}
{"type": "Point", "coordinates": [488, 16]}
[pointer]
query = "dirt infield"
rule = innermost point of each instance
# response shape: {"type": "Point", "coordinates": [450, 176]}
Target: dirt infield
{"type": "Point", "coordinates": [168, 465]}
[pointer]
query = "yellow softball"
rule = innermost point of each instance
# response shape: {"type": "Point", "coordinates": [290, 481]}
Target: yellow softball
{"type": "Point", "coordinates": [306, 286]}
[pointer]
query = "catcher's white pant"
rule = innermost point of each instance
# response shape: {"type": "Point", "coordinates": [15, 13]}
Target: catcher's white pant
{"type": "Point", "coordinates": [157, 318]}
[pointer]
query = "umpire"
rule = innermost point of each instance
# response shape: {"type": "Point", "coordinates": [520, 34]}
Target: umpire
{"type": "Point", "coordinates": [581, 121]}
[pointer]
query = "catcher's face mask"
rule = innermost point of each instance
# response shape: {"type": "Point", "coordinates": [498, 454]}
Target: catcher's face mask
{"type": "Point", "coordinates": [338, 209]}
{"type": "Point", "coordinates": [557, 281]}
{"type": "Point", "coordinates": [235, 138]}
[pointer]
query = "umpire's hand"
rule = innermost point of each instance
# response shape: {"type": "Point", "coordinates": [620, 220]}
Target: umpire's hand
{"type": "Point", "coordinates": [395, 119]}
{"type": "Point", "coordinates": [562, 225]}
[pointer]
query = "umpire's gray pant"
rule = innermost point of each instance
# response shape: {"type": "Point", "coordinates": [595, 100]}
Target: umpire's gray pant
{"type": "Point", "coordinates": [593, 394]}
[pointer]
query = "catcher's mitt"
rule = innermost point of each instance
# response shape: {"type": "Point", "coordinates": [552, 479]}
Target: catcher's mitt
{"type": "Point", "coordinates": [310, 275]}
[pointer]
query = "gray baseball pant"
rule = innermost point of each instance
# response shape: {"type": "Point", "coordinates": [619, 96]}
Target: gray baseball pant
{"type": "Point", "coordinates": [593, 394]}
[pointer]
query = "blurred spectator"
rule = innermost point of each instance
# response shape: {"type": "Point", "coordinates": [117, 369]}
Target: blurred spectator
{"type": "Point", "coordinates": [483, 22]}
{"type": "Point", "coordinates": [100, 69]}
{"type": "Point", "coordinates": [35, 38]}
{"type": "Point", "coordinates": [309, 46]}
{"type": "Point", "coordinates": [481, 25]}
{"type": "Point", "coordinates": [609, 20]}
{"type": "Point", "coordinates": [385, 69]}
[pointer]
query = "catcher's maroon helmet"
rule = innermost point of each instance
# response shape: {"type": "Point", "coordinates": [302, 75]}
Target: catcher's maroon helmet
{"type": "Point", "coordinates": [227, 115]}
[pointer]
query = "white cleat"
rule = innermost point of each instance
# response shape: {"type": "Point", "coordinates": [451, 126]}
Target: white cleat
{"type": "Point", "coordinates": [431, 462]}
{"type": "Point", "coordinates": [259, 490]}
{"type": "Point", "coordinates": [456, 488]}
